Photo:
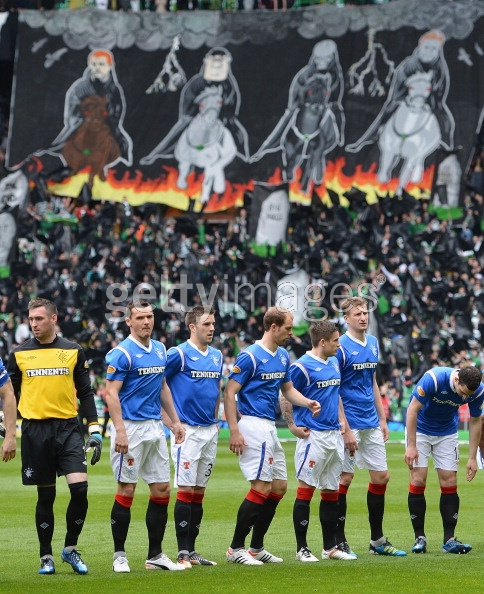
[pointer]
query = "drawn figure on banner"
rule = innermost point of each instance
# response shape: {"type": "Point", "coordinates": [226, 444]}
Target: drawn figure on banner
{"type": "Point", "coordinates": [94, 109]}
{"type": "Point", "coordinates": [206, 143]}
{"type": "Point", "coordinates": [418, 92]}
{"type": "Point", "coordinates": [14, 192]}
{"type": "Point", "coordinates": [313, 123]}
{"type": "Point", "coordinates": [215, 72]}
{"type": "Point", "coordinates": [410, 135]}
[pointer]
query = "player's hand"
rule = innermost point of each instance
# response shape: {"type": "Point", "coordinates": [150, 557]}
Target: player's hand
{"type": "Point", "coordinates": [315, 407]}
{"type": "Point", "coordinates": [94, 443]}
{"type": "Point", "coordinates": [411, 456]}
{"type": "Point", "coordinates": [301, 432]}
{"type": "Point", "coordinates": [350, 441]}
{"type": "Point", "coordinates": [179, 432]}
{"type": "Point", "coordinates": [471, 470]}
{"type": "Point", "coordinates": [237, 442]}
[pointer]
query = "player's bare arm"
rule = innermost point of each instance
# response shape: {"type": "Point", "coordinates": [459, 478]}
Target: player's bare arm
{"type": "Point", "coordinates": [113, 388]}
{"type": "Point", "coordinates": [236, 441]}
{"type": "Point", "coordinates": [287, 413]}
{"type": "Point", "coordinates": [9, 445]}
{"type": "Point", "coordinates": [168, 406]}
{"type": "Point", "coordinates": [294, 396]}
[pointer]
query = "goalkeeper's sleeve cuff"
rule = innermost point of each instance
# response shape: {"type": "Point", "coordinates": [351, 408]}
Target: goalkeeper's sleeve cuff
{"type": "Point", "coordinates": [94, 428]}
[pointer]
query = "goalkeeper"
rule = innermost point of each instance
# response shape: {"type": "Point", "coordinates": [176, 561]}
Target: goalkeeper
{"type": "Point", "coordinates": [48, 372]}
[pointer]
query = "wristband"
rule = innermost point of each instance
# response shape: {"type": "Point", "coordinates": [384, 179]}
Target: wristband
{"type": "Point", "coordinates": [95, 428]}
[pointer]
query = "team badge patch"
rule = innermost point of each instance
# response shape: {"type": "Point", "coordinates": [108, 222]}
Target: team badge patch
{"type": "Point", "coordinates": [111, 369]}
{"type": "Point", "coordinates": [421, 391]}
{"type": "Point", "coordinates": [236, 369]}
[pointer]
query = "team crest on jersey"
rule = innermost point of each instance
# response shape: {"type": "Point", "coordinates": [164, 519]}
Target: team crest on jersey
{"type": "Point", "coordinates": [236, 369]}
{"type": "Point", "coordinates": [335, 365]}
{"type": "Point", "coordinates": [312, 464]}
{"type": "Point", "coordinates": [283, 359]}
{"type": "Point", "coordinates": [63, 356]}
{"type": "Point", "coordinates": [271, 461]}
{"type": "Point", "coordinates": [160, 353]}
{"type": "Point", "coordinates": [373, 350]}
{"type": "Point", "coordinates": [130, 461]}
{"type": "Point", "coordinates": [421, 391]}
{"type": "Point", "coordinates": [215, 359]}
{"type": "Point", "coordinates": [186, 465]}
{"type": "Point", "coordinates": [111, 369]}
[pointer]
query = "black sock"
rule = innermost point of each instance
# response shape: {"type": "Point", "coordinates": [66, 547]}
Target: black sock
{"type": "Point", "coordinates": [120, 520]}
{"type": "Point", "coordinates": [182, 515]}
{"type": "Point", "coordinates": [376, 508]}
{"type": "Point", "coordinates": [263, 521]}
{"type": "Point", "coordinates": [248, 512]}
{"type": "Point", "coordinates": [300, 519]}
{"type": "Point", "coordinates": [76, 512]}
{"type": "Point", "coordinates": [449, 510]}
{"type": "Point", "coordinates": [44, 518]}
{"type": "Point", "coordinates": [340, 529]}
{"type": "Point", "coordinates": [156, 519]}
{"type": "Point", "coordinates": [328, 516]}
{"type": "Point", "coordinates": [417, 506]}
{"type": "Point", "coordinates": [195, 521]}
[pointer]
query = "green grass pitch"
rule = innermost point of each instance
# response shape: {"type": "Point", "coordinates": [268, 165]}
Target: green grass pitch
{"type": "Point", "coordinates": [434, 572]}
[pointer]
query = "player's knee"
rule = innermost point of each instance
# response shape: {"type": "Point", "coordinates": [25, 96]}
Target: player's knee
{"type": "Point", "coordinates": [78, 491]}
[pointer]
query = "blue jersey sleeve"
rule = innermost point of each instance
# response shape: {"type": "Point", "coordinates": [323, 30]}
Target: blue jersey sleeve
{"type": "Point", "coordinates": [298, 378]}
{"type": "Point", "coordinates": [118, 365]}
{"type": "Point", "coordinates": [173, 363]}
{"type": "Point", "coordinates": [243, 369]}
{"type": "Point", "coordinates": [424, 388]}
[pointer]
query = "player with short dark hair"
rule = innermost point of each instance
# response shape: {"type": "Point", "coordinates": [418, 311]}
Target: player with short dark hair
{"type": "Point", "coordinates": [48, 372]}
{"type": "Point", "coordinates": [259, 373]}
{"type": "Point", "coordinates": [431, 430]}
{"type": "Point", "coordinates": [193, 373]}
{"type": "Point", "coordinates": [320, 447]}
{"type": "Point", "coordinates": [136, 392]}
{"type": "Point", "coordinates": [367, 429]}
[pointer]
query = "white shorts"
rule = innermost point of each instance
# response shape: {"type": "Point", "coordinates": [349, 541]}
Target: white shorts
{"type": "Point", "coordinates": [371, 453]}
{"type": "Point", "coordinates": [194, 458]}
{"type": "Point", "coordinates": [147, 455]}
{"type": "Point", "coordinates": [319, 459]}
{"type": "Point", "coordinates": [263, 457]}
{"type": "Point", "coordinates": [444, 449]}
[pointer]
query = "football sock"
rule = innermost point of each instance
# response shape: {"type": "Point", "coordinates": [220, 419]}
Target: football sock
{"type": "Point", "coordinates": [375, 499]}
{"type": "Point", "coordinates": [76, 512]}
{"type": "Point", "coordinates": [263, 521]}
{"type": "Point", "coordinates": [182, 515]}
{"type": "Point", "coordinates": [417, 506]}
{"type": "Point", "coordinates": [342, 505]}
{"type": "Point", "coordinates": [449, 510]}
{"type": "Point", "coordinates": [120, 520]}
{"type": "Point", "coordinates": [328, 516]}
{"type": "Point", "coordinates": [249, 509]}
{"type": "Point", "coordinates": [44, 518]}
{"type": "Point", "coordinates": [195, 520]}
{"type": "Point", "coordinates": [156, 518]}
{"type": "Point", "coordinates": [300, 516]}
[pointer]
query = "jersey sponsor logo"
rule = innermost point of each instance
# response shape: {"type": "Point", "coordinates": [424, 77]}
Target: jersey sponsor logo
{"type": "Point", "coordinates": [210, 374]}
{"type": "Point", "coordinates": [420, 391]}
{"type": "Point", "coordinates": [236, 369]}
{"type": "Point", "coordinates": [47, 371]}
{"type": "Point", "coordinates": [273, 375]}
{"type": "Point", "coordinates": [438, 401]}
{"type": "Point", "coordinates": [111, 369]}
{"type": "Point", "coordinates": [151, 370]}
{"type": "Point", "coordinates": [326, 383]}
{"type": "Point", "coordinates": [360, 366]}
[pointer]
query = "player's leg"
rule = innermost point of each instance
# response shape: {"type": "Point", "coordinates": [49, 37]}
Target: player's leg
{"type": "Point", "coordinates": [346, 478]}
{"type": "Point", "coordinates": [417, 504]}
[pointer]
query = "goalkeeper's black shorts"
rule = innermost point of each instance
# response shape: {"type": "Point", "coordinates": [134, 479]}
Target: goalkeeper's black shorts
{"type": "Point", "coordinates": [51, 448]}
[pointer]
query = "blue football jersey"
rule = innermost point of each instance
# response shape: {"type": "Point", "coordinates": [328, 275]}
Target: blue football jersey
{"type": "Point", "coordinates": [141, 369]}
{"type": "Point", "coordinates": [261, 374]}
{"type": "Point", "coordinates": [358, 361]}
{"type": "Point", "coordinates": [440, 413]}
{"type": "Point", "coordinates": [194, 380]}
{"type": "Point", "coordinates": [4, 377]}
{"type": "Point", "coordinates": [318, 380]}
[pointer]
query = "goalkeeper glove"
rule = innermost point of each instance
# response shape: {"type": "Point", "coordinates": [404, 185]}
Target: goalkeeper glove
{"type": "Point", "coordinates": [95, 443]}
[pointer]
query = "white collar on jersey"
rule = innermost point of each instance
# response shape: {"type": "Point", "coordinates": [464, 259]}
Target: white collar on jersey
{"type": "Point", "coordinates": [204, 353]}
{"type": "Point", "coordinates": [363, 343]}
{"type": "Point", "coordinates": [145, 348]}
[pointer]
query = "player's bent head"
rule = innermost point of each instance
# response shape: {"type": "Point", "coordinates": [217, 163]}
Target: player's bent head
{"type": "Point", "coordinates": [349, 303]}
{"type": "Point", "coordinates": [321, 329]}
{"type": "Point", "coordinates": [138, 304]}
{"type": "Point", "coordinates": [275, 315]}
{"type": "Point", "coordinates": [470, 377]}
{"type": "Point", "coordinates": [50, 306]}
{"type": "Point", "coordinates": [195, 314]}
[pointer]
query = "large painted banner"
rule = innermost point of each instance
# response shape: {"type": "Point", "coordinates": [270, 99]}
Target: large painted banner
{"type": "Point", "coordinates": [196, 109]}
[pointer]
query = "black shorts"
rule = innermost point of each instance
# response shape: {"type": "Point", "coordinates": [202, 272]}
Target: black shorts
{"type": "Point", "coordinates": [51, 448]}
